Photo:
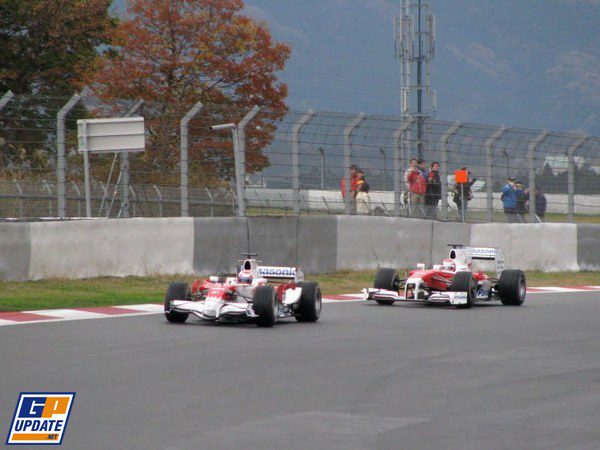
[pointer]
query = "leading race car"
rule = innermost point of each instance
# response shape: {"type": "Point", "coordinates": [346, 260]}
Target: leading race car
{"type": "Point", "coordinates": [247, 296]}
{"type": "Point", "coordinates": [453, 282]}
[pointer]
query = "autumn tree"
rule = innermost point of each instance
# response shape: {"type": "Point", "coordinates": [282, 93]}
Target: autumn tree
{"type": "Point", "coordinates": [47, 46]}
{"type": "Point", "coordinates": [173, 53]}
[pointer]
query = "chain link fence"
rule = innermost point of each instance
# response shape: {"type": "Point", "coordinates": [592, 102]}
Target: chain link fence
{"type": "Point", "coordinates": [290, 162]}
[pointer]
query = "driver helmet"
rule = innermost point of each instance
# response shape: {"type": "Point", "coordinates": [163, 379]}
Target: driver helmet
{"type": "Point", "coordinates": [449, 264]}
{"type": "Point", "coordinates": [245, 276]}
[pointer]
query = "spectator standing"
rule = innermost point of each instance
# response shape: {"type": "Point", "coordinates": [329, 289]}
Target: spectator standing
{"type": "Point", "coordinates": [433, 193]}
{"type": "Point", "coordinates": [418, 188]}
{"type": "Point", "coordinates": [412, 165]}
{"type": "Point", "coordinates": [422, 165]}
{"type": "Point", "coordinates": [363, 200]}
{"type": "Point", "coordinates": [509, 200]}
{"type": "Point", "coordinates": [353, 180]}
{"type": "Point", "coordinates": [463, 195]}
{"type": "Point", "coordinates": [521, 196]}
{"type": "Point", "coordinates": [540, 204]}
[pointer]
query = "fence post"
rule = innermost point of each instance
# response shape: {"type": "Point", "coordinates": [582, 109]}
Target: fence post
{"type": "Point", "coordinates": [489, 179]}
{"type": "Point", "coordinates": [397, 164]}
{"type": "Point", "coordinates": [184, 161]}
{"type": "Point", "coordinates": [20, 197]}
{"type": "Point", "coordinates": [322, 153]}
{"type": "Point", "coordinates": [49, 190]}
{"type": "Point", "coordinates": [382, 151]}
{"type": "Point", "coordinates": [125, 167]}
{"type": "Point", "coordinates": [159, 195]}
{"type": "Point", "coordinates": [531, 160]}
{"type": "Point", "coordinates": [78, 198]}
{"type": "Point", "coordinates": [240, 159]}
{"type": "Point", "coordinates": [60, 154]}
{"type": "Point", "coordinates": [571, 177]}
{"type": "Point", "coordinates": [6, 98]}
{"type": "Point", "coordinates": [348, 159]}
{"type": "Point", "coordinates": [444, 166]}
{"type": "Point", "coordinates": [296, 159]}
{"type": "Point", "coordinates": [212, 202]}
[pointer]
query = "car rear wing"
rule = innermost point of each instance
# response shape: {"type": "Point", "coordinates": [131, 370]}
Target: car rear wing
{"type": "Point", "coordinates": [271, 272]}
{"type": "Point", "coordinates": [488, 254]}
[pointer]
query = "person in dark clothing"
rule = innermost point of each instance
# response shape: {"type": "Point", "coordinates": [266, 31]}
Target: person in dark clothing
{"type": "Point", "coordinates": [509, 200]}
{"type": "Point", "coordinates": [521, 196]}
{"type": "Point", "coordinates": [540, 204]}
{"type": "Point", "coordinates": [463, 196]}
{"type": "Point", "coordinates": [433, 194]}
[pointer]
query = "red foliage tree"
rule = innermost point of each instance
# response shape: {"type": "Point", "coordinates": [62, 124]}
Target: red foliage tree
{"type": "Point", "coordinates": [173, 53]}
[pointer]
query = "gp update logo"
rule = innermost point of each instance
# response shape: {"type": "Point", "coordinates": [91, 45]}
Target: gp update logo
{"type": "Point", "coordinates": [40, 418]}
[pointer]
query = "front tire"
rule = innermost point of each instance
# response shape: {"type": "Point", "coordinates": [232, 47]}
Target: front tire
{"type": "Point", "coordinates": [264, 305]}
{"type": "Point", "coordinates": [387, 279]}
{"type": "Point", "coordinates": [309, 306]}
{"type": "Point", "coordinates": [177, 290]}
{"type": "Point", "coordinates": [464, 282]}
{"type": "Point", "coordinates": [512, 287]}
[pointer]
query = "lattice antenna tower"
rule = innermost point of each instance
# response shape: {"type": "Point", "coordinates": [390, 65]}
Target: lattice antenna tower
{"type": "Point", "coordinates": [414, 33]}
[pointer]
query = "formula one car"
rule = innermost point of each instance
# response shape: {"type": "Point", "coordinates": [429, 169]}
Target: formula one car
{"type": "Point", "coordinates": [453, 282]}
{"type": "Point", "coordinates": [247, 296]}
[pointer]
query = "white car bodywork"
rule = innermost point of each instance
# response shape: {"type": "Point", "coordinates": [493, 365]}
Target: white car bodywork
{"type": "Point", "coordinates": [239, 306]}
{"type": "Point", "coordinates": [462, 258]}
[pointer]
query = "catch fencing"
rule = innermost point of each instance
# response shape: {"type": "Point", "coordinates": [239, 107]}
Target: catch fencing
{"type": "Point", "coordinates": [277, 162]}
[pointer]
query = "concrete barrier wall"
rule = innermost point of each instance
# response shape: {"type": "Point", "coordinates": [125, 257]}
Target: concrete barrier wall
{"type": "Point", "coordinates": [588, 246]}
{"type": "Point", "coordinates": [15, 251]}
{"type": "Point", "coordinates": [108, 247]}
{"type": "Point", "coordinates": [549, 247]}
{"type": "Point", "coordinates": [124, 247]}
{"type": "Point", "coordinates": [366, 242]}
{"type": "Point", "coordinates": [218, 244]}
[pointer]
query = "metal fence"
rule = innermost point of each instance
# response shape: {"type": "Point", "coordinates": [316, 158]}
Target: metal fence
{"type": "Point", "coordinates": [286, 162]}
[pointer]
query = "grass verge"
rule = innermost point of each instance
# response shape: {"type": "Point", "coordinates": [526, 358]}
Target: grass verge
{"type": "Point", "coordinates": [53, 294]}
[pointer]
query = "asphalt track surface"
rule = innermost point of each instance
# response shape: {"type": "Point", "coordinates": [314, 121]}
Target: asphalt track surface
{"type": "Point", "coordinates": [363, 377]}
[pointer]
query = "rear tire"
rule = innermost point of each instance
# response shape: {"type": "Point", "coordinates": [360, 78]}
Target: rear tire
{"type": "Point", "coordinates": [387, 279]}
{"type": "Point", "coordinates": [512, 287]}
{"type": "Point", "coordinates": [178, 290]}
{"type": "Point", "coordinates": [309, 306]}
{"type": "Point", "coordinates": [464, 282]}
{"type": "Point", "coordinates": [264, 305]}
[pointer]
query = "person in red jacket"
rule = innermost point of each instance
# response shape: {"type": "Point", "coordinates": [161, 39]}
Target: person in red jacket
{"type": "Point", "coordinates": [353, 180]}
{"type": "Point", "coordinates": [417, 189]}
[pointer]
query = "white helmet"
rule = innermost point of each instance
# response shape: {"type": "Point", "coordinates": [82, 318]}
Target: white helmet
{"type": "Point", "coordinates": [245, 274]}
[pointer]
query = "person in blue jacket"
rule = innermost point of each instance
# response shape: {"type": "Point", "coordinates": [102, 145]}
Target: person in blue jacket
{"type": "Point", "coordinates": [509, 200]}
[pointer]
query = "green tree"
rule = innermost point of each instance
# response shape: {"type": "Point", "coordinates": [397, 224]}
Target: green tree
{"type": "Point", "coordinates": [49, 45]}
{"type": "Point", "coordinates": [48, 48]}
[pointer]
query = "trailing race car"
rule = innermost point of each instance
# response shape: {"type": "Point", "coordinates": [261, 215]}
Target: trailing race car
{"type": "Point", "coordinates": [247, 296]}
{"type": "Point", "coordinates": [453, 282]}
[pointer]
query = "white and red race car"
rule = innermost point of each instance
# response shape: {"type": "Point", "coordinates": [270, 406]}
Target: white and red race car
{"type": "Point", "coordinates": [247, 296]}
{"type": "Point", "coordinates": [453, 282]}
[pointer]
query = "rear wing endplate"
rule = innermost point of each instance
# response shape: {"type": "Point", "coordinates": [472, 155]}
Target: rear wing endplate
{"type": "Point", "coordinates": [488, 254]}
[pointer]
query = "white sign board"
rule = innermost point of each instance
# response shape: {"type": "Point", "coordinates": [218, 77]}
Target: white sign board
{"type": "Point", "coordinates": [119, 134]}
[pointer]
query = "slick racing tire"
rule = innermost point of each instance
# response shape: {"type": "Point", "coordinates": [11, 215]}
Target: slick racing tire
{"type": "Point", "coordinates": [309, 306]}
{"type": "Point", "coordinates": [178, 290]}
{"type": "Point", "coordinates": [512, 287]}
{"type": "Point", "coordinates": [387, 279]}
{"type": "Point", "coordinates": [264, 304]}
{"type": "Point", "coordinates": [464, 282]}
